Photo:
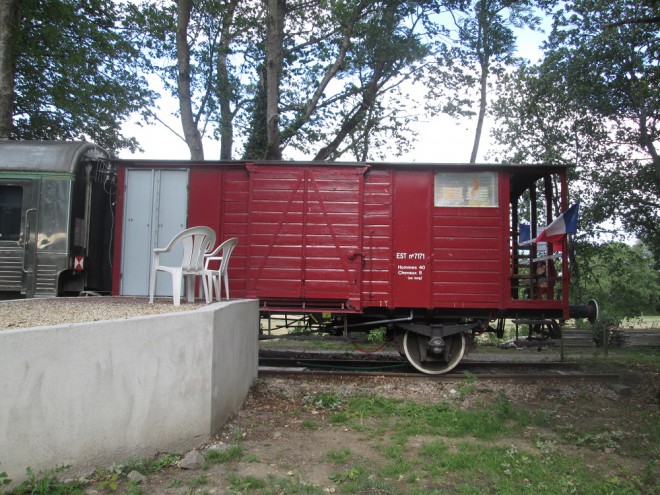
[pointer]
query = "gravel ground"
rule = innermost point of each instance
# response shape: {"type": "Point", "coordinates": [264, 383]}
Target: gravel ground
{"type": "Point", "coordinates": [26, 313]}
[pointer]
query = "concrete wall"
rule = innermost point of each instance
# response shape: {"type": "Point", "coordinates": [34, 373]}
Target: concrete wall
{"type": "Point", "coordinates": [91, 394]}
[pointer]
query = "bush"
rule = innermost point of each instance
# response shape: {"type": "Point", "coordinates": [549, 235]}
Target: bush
{"type": "Point", "coordinates": [610, 324]}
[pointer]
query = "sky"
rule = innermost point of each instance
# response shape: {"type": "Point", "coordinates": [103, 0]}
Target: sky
{"type": "Point", "coordinates": [439, 139]}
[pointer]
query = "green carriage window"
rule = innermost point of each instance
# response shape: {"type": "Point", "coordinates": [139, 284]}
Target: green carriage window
{"type": "Point", "coordinates": [466, 189]}
{"type": "Point", "coordinates": [11, 202]}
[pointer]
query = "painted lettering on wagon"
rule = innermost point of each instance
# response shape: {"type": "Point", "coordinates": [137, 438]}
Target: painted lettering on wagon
{"type": "Point", "coordinates": [410, 271]}
{"type": "Point", "coordinates": [410, 256]}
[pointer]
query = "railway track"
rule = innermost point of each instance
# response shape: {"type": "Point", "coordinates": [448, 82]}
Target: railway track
{"type": "Point", "coordinates": [392, 367]}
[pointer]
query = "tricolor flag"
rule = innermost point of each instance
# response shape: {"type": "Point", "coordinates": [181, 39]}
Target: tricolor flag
{"type": "Point", "coordinates": [566, 223]}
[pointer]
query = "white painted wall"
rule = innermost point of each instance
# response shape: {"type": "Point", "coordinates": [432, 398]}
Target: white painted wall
{"type": "Point", "coordinates": [91, 394]}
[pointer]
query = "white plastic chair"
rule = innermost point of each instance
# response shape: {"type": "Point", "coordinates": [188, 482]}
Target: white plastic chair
{"type": "Point", "coordinates": [213, 276]}
{"type": "Point", "coordinates": [196, 243]}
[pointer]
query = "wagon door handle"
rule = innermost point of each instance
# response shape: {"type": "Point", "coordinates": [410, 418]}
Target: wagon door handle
{"type": "Point", "coordinates": [351, 254]}
{"type": "Point", "coordinates": [27, 238]}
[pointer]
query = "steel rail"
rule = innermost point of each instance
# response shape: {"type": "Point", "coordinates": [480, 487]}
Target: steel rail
{"type": "Point", "coordinates": [303, 372]}
{"type": "Point", "coordinates": [344, 363]}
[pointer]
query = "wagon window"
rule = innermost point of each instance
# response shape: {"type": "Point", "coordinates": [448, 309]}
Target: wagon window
{"type": "Point", "coordinates": [466, 189]}
{"type": "Point", "coordinates": [11, 201]}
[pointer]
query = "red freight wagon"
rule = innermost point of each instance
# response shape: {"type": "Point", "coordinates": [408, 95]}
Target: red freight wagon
{"type": "Point", "coordinates": [433, 252]}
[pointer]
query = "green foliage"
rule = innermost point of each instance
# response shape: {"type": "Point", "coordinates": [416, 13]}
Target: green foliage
{"type": "Point", "coordinates": [483, 45]}
{"type": "Point", "coordinates": [339, 456]}
{"type": "Point", "coordinates": [327, 400]}
{"type": "Point", "coordinates": [622, 278]}
{"type": "Point", "coordinates": [76, 73]}
{"type": "Point", "coordinates": [133, 488]}
{"type": "Point", "coordinates": [627, 358]}
{"type": "Point", "coordinates": [175, 484]}
{"type": "Point", "coordinates": [437, 419]}
{"type": "Point", "coordinates": [47, 483]}
{"type": "Point", "coordinates": [377, 335]}
{"type": "Point", "coordinates": [351, 474]}
{"type": "Point", "coordinates": [196, 483]}
{"type": "Point", "coordinates": [593, 102]}
{"type": "Point", "coordinates": [144, 466]}
{"type": "Point", "coordinates": [309, 424]}
{"type": "Point", "coordinates": [468, 386]}
{"type": "Point", "coordinates": [606, 325]}
{"type": "Point", "coordinates": [514, 470]}
{"type": "Point", "coordinates": [599, 441]}
{"type": "Point", "coordinates": [161, 462]}
{"type": "Point", "coordinates": [4, 480]}
{"type": "Point", "coordinates": [110, 482]}
{"type": "Point", "coordinates": [341, 88]}
{"type": "Point", "coordinates": [339, 418]}
{"type": "Point", "coordinates": [233, 453]}
{"type": "Point", "coordinates": [246, 483]}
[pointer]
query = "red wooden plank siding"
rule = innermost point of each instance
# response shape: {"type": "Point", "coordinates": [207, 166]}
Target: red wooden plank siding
{"type": "Point", "coordinates": [219, 200]}
{"type": "Point", "coordinates": [234, 198]}
{"type": "Point", "coordinates": [467, 257]}
{"type": "Point", "coordinates": [303, 225]}
{"type": "Point", "coordinates": [377, 238]}
{"type": "Point", "coordinates": [204, 205]}
{"type": "Point", "coordinates": [275, 232]}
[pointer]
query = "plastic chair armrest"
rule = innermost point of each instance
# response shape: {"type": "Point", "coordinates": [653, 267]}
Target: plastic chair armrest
{"type": "Point", "coordinates": [210, 258]}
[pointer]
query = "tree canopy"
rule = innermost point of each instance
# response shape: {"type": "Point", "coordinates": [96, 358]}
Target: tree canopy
{"type": "Point", "coordinates": [484, 44]}
{"type": "Point", "coordinates": [594, 102]}
{"type": "Point", "coordinates": [324, 78]}
{"type": "Point", "coordinates": [620, 277]}
{"type": "Point", "coordinates": [75, 73]}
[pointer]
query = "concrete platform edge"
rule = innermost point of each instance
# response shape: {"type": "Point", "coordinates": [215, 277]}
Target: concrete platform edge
{"type": "Point", "coordinates": [90, 394]}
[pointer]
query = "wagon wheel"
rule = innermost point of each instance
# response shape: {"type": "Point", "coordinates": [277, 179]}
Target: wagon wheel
{"type": "Point", "coordinates": [415, 348]}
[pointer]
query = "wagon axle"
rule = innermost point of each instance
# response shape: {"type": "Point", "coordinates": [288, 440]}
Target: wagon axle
{"type": "Point", "coordinates": [436, 345]}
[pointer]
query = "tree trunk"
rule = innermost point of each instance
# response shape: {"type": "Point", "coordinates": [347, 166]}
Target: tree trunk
{"type": "Point", "coordinates": [368, 99]}
{"type": "Point", "coordinates": [190, 130]}
{"type": "Point", "coordinates": [645, 138]}
{"type": "Point", "coordinates": [482, 112]}
{"type": "Point", "coordinates": [486, 14]}
{"type": "Point", "coordinates": [225, 93]}
{"type": "Point", "coordinates": [8, 16]}
{"type": "Point", "coordinates": [274, 60]}
{"type": "Point", "coordinates": [226, 116]}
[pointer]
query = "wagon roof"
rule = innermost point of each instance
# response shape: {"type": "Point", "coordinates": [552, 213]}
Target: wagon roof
{"type": "Point", "coordinates": [522, 167]}
{"type": "Point", "coordinates": [47, 156]}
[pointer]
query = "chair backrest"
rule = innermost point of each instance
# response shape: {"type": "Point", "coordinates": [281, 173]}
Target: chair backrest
{"type": "Point", "coordinates": [197, 242]}
{"type": "Point", "coordinates": [224, 250]}
{"type": "Point", "coordinates": [228, 247]}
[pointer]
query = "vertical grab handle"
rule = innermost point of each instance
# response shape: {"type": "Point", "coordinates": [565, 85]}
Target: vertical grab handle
{"type": "Point", "coordinates": [26, 241]}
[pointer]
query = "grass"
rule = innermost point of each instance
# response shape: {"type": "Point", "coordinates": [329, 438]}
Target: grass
{"type": "Point", "coordinates": [47, 484]}
{"type": "Point", "coordinates": [444, 419]}
{"type": "Point", "coordinates": [339, 456]}
{"type": "Point", "coordinates": [617, 357]}
{"type": "Point", "coordinates": [233, 453]}
{"type": "Point", "coordinates": [471, 444]}
{"type": "Point", "coordinates": [463, 450]}
{"type": "Point", "coordinates": [461, 453]}
{"type": "Point", "coordinates": [107, 479]}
